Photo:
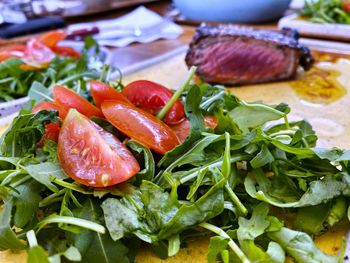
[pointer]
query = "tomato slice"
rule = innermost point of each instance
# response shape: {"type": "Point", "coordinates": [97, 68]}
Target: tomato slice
{"type": "Point", "coordinates": [152, 97]}
{"type": "Point", "coordinates": [182, 129]}
{"type": "Point", "coordinates": [68, 99]}
{"type": "Point", "coordinates": [91, 155]}
{"type": "Point", "coordinates": [37, 54]}
{"type": "Point", "coordinates": [52, 38]}
{"type": "Point", "coordinates": [101, 91]}
{"type": "Point", "coordinates": [12, 51]}
{"type": "Point", "coordinates": [66, 51]}
{"type": "Point", "coordinates": [48, 105]}
{"type": "Point", "coordinates": [140, 125]}
{"type": "Point", "coordinates": [52, 130]}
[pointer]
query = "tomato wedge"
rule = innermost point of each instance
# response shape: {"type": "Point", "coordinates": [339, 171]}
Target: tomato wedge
{"type": "Point", "coordinates": [140, 125]}
{"type": "Point", "coordinates": [101, 91]}
{"type": "Point", "coordinates": [37, 54]}
{"type": "Point", "coordinates": [68, 99]}
{"type": "Point", "coordinates": [52, 38]}
{"type": "Point", "coordinates": [152, 97]}
{"type": "Point", "coordinates": [182, 129]}
{"type": "Point", "coordinates": [52, 130]}
{"type": "Point", "coordinates": [66, 51]}
{"type": "Point", "coordinates": [91, 155]}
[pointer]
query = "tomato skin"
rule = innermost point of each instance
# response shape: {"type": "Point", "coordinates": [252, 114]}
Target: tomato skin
{"type": "Point", "coordinates": [48, 105]}
{"type": "Point", "coordinates": [140, 125]}
{"type": "Point", "coordinates": [152, 97]}
{"type": "Point", "coordinates": [66, 51]}
{"type": "Point", "coordinates": [182, 129]}
{"type": "Point", "coordinates": [52, 38]}
{"type": "Point", "coordinates": [52, 130]}
{"type": "Point", "coordinates": [68, 99]}
{"type": "Point", "coordinates": [37, 54]}
{"type": "Point", "coordinates": [91, 155]}
{"type": "Point", "coordinates": [101, 91]}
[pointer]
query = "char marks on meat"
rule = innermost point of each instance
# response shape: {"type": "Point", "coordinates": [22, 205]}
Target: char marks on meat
{"type": "Point", "coordinates": [233, 55]}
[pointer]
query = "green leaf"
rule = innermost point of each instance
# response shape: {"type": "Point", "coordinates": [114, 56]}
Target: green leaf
{"type": "Point", "coordinates": [39, 92]}
{"type": "Point", "coordinates": [26, 202]}
{"type": "Point", "coordinates": [300, 246]}
{"type": "Point", "coordinates": [37, 255]}
{"type": "Point", "coordinates": [25, 132]}
{"type": "Point", "coordinates": [319, 191]}
{"type": "Point", "coordinates": [145, 158]}
{"type": "Point", "coordinates": [253, 115]}
{"type": "Point", "coordinates": [312, 219]}
{"type": "Point", "coordinates": [195, 116]}
{"type": "Point", "coordinates": [95, 247]}
{"type": "Point", "coordinates": [262, 158]}
{"type": "Point", "coordinates": [8, 239]}
{"type": "Point", "coordinates": [216, 245]}
{"type": "Point", "coordinates": [42, 172]}
{"type": "Point", "coordinates": [256, 226]}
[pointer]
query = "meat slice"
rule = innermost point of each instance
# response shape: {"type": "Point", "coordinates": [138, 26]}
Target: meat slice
{"type": "Point", "coordinates": [232, 55]}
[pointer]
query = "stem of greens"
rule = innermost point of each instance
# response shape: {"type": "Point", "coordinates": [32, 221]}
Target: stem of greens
{"type": "Point", "coordinates": [231, 243]}
{"type": "Point", "coordinates": [226, 171]}
{"type": "Point", "coordinates": [235, 199]}
{"type": "Point", "coordinates": [72, 221]}
{"type": "Point", "coordinates": [177, 94]}
{"type": "Point", "coordinates": [104, 72]}
{"type": "Point", "coordinates": [76, 76]}
{"type": "Point", "coordinates": [31, 239]}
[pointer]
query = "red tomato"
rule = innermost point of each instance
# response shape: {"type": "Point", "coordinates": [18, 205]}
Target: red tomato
{"type": "Point", "coordinates": [48, 105]}
{"type": "Point", "coordinates": [91, 155]}
{"type": "Point", "coordinates": [12, 51]}
{"type": "Point", "coordinates": [182, 130]}
{"type": "Point", "coordinates": [101, 91]}
{"type": "Point", "coordinates": [37, 54]}
{"type": "Point", "coordinates": [52, 38]}
{"type": "Point", "coordinates": [52, 130]}
{"type": "Point", "coordinates": [152, 97]}
{"type": "Point", "coordinates": [140, 125]}
{"type": "Point", "coordinates": [66, 51]}
{"type": "Point", "coordinates": [69, 99]}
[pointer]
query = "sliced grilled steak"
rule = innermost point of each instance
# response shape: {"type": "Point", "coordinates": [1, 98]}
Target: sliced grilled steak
{"type": "Point", "coordinates": [234, 55]}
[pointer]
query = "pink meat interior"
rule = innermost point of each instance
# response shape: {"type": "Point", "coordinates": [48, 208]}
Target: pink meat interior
{"type": "Point", "coordinates": [244, 61]}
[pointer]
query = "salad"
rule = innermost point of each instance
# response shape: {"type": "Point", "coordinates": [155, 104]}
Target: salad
{"type": "Point", "coordinates": [91, 178]}
{"type": "Point", "coordinates": [44, 60]}
{"type": "Point", "coordinates": [327, 11]}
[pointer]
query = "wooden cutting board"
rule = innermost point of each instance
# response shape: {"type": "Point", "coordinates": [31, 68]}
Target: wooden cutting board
{"type": "Point", "coordinates": [331, 120]}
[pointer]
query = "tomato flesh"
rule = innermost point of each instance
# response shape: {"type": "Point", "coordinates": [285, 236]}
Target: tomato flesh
{"type": "Point", "coordinates": [91, 155]}
{"type": "Point", "coordinates": [140, 125]}
{"type": "Point", "coordinates": [66, 51]}
{"type": "Point", "coordinates": [51, 39]}
{"type": "Point", "coordinates": [101, 91]}
{"type": "Point", "coordinates": [182, 130]}
{"type": "Point", "coordinates": [152, 97]}
{"type": "Point", "coordinates": [68, 99]}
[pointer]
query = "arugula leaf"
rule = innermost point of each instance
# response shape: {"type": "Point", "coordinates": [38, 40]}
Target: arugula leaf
{"type": "Point", "coordinates": [300, 246]}
{"type": "Point", "coordinates": [319, 191]}
{"type": "Point", "coordinates": [26, 202]}
{"type": "Point", "coordinates": [195, 116]}
{"type": "Point", "coordinates": [96, 247]}
{"type": "Point", "coordinates": [145, 158]}
{"type": "Point", "coordinates": [43, 173]}
{"type": "Point", "coordinates": [25, 132]}
{"type": "Point", "coordinates": [8, 238]}
{"type": "Point", "coordinates": [252, 115]}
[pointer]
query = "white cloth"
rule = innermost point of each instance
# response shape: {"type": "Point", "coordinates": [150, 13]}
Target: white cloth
{"type": "Point", "coordinates": [116, 32]}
